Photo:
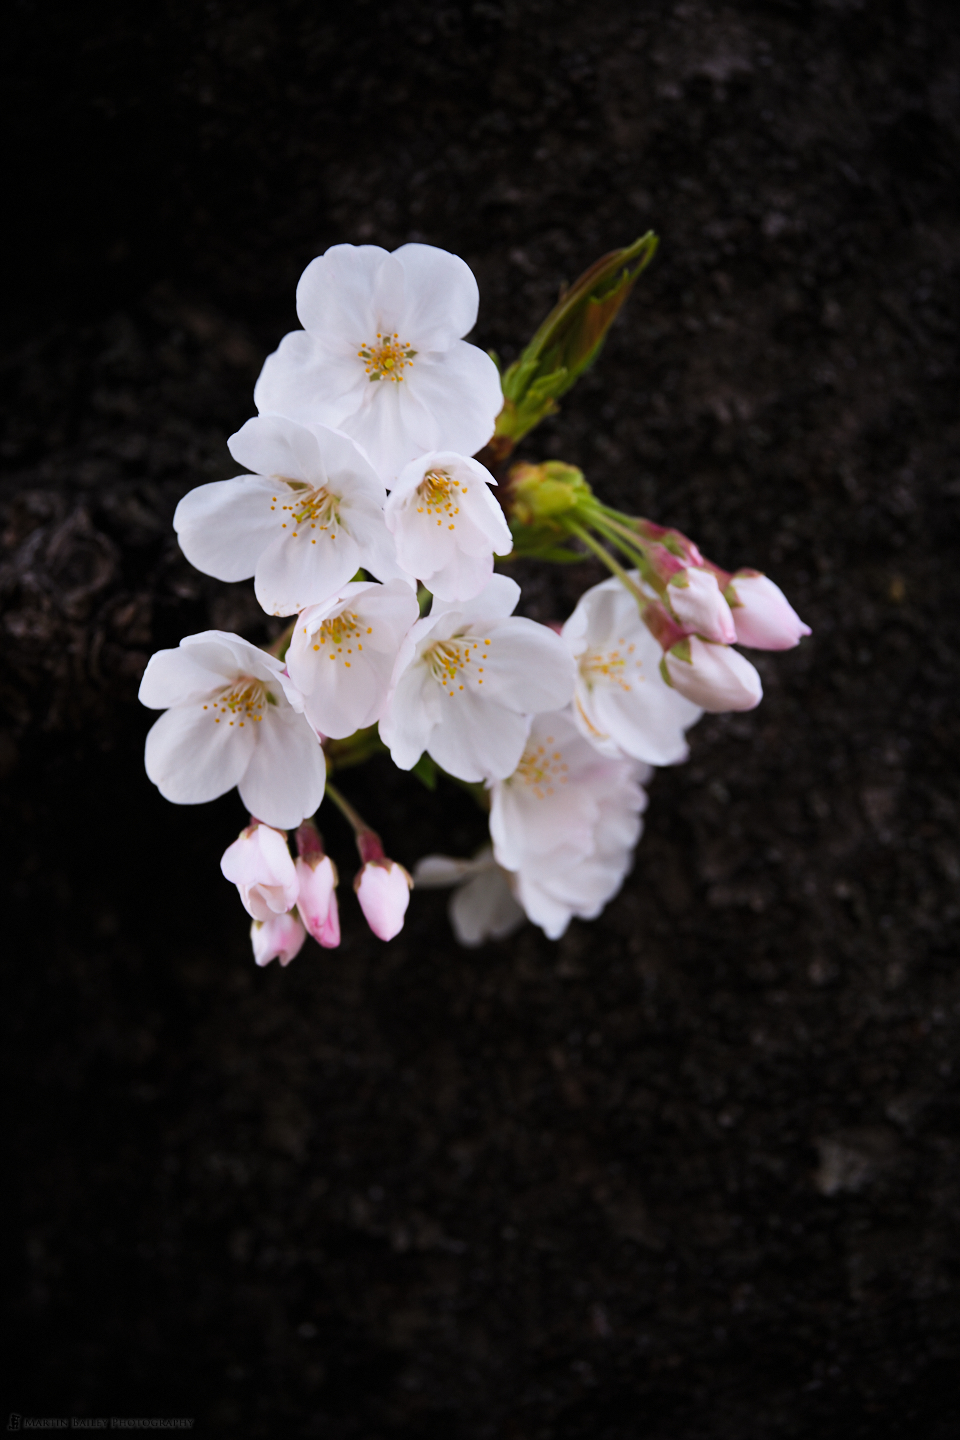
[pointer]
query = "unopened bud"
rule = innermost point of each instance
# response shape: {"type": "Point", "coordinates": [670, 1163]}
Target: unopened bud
{"type": "Point", "coordinates": [383, 889]}
{"type": "Point", "coordinates": [538, 494]}
{"type": "Point", "coordinates": [762, 614]}
{"type": "Point", "coordinates": [259, 864]}
{"type": "Point", "coordinates": [715, 677]}
{"type": "Point", "coordinates": [279, 938]}
{"type": "Point", "coordinates": [569, 340]}
{"type": "Point", "coordinates": [695, 599]}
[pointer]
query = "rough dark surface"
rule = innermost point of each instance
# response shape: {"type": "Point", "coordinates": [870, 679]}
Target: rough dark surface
{"type": "Point", "coordinates": [691, 1173]}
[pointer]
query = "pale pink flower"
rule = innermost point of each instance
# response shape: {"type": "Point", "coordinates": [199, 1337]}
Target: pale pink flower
{"type": "Point", "coordinates": [232, 718]}
{"type": "Point", "coordinates": [259, 864]}
{"type": "Point", "coordinates": [446, 524]}
{"type": "Point", "coordinates": [381, 356]}
{"type": "Point", "coordinates": [342, 653]}
{"type": "Point", "coordinates": [468, 677]}
{"type": "Point", "coordinates": [622, 702]}
{"type": "Point", "coordinates": [302, 524]}
{"type": "Point", "coordinates": [566, 824]}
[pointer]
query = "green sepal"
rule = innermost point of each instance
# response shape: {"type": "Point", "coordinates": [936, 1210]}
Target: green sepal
{"type": "Point", "coordinates": [570, 338]}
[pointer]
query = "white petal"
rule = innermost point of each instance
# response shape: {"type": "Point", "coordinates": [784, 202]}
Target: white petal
{"type": "Point", "coordinates": [528, 667]}
{"type": "Point", "coordinates": [442, 297]}
{"type": "Point", "coordinates": [643, 722]}
{"type": "Point", "coordinates": [461, 390]}
{"type": "Point", "coordinates": [175, 677]}
{"type": "Point", "coordinates": [496, 601]}
{"type": "Point", "coordinates": [464, 577]}
{"type": "Point", "coordinates": [300, 570]}
{"type": "Point", "coordinates": [223, 528]}
{"type": "Point", "coordinates": [411, 713]}
{"type": "Point", "coordinates": [307, 382]}
{"type": "Point", "coordinates": [544, 910]}
{"type": "Point", "coordinates": [285, 778]}
{"type": "Point", "coordinates": [484, 909]}
{"type": "Point", "coordinates": [192, 759]}
{"type": "Point", "coordinates": [335, 295]}
{"type": "Point", "coordinates": [391, 424]}
{"type": "Point", "coordinates": [477, 739]}
{"type": "Point", "coordinates": [276, 447]}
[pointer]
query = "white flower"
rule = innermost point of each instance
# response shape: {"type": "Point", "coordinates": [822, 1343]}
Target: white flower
{"type": "Point", "coordinates": [381, 357]}
{"type": "Point", "coordinates": [307, 519]}
{"type": "Point", "coordinates": [259, 864]}
{"type": "Point", "coordinates": [714, 676]}
{"type": "Point", "coordinates": [317, 899]}
{"type": "Point", "coordinates": [342, 653]}
{"type": "Point", "coordinates": [383, 889]}
{"type": "Point", "coordinates": [232, 720]}
{"type": "Point", "coordinates": [281, 937]}
{"type": "Point", "coordinates": [566, 823]}
{"type": "Point", "coordinates": [446, 524]}
{"type": "Point", "coordinates": [762, 614]}
{"type": "Point", "coordinates": [482, 906]}
{"type": "Point", "coordinates": [468, 677]}
{"type": "Point", "coordinates": [622, 702]}
{"type": "Point", "coordinates": [697, 601]}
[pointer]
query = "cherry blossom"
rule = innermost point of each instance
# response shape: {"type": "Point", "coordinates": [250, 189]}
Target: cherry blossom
{"type": "Point", "coordinates": [302, 524]}
{"type": "Point", "coordinates": [762, 614]}
{"type": "Point", "coordinates": [232, 718]}
{"type": "Point", "coordinates": [381, 356]}
{"type": "Point", "coordinates": [342, 653]}
{"type": "Point", "coordinates": [279, 938]}
{"type": "Point", "coordinates": [565, 823]}
{"type": "Point", "coordinates": [259, 864]}
{"type": "Point", "coordinates": [622, 702]}
{"type": "Point", "coordinates": [716, 677]}
{"type": "Point", "coordinates": [468, 678]}
{"type": "Point", "coordinates": [446, 524]}
{"type": "Point", "coordinates": [482, 906]}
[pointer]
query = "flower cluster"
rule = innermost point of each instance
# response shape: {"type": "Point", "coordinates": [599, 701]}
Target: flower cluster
{"type": "Point", "coordinates": [368, 516]}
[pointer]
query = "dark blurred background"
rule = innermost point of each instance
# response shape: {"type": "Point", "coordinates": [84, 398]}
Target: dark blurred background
{"type": "Point", "coordinates": [691, 1172]}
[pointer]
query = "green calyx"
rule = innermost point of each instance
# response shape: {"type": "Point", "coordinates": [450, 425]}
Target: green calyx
{"type": "Point", "coordinates": [569, 340]}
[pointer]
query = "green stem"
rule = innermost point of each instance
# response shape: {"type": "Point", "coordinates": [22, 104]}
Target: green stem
{"type": "Point", "coordinates": [612, 565]}
{"type": "Point", "coordinates": [633, 552]}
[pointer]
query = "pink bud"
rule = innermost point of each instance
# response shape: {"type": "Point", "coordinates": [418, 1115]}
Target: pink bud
{"type": "Point", "coordinates": [700, 607]}
{"type": "Point", "coordinates": [383, 889]}
{"type": "Point", "coordinates": [317, 900]}
{"type": "Point", "coordinates": [763, 615]}
{"type": "Point", "coordinates": [281, 936]}
{"type": "Point", "coordinates": [259, 864]}
{"type": "Point", "coordinates": [712, 676]}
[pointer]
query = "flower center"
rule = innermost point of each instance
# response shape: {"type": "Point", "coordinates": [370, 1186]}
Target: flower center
{"type": "Point", "coordinates": [542, 769]}
{"type": "Point", "coordinates": [310, 512]}
{"type": "Point", "coordinates": [341, 632]}
{"type": "Point", "coordinates": [437, 494]}
{"type": "Point", "coordinates": [449, 661]}
{"type": "Point", "coordinates": [386, 358]}
{"type": "Point", "coordinates": [241, 703]}
{"type": "Point", "coordinates": [612, 665]}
